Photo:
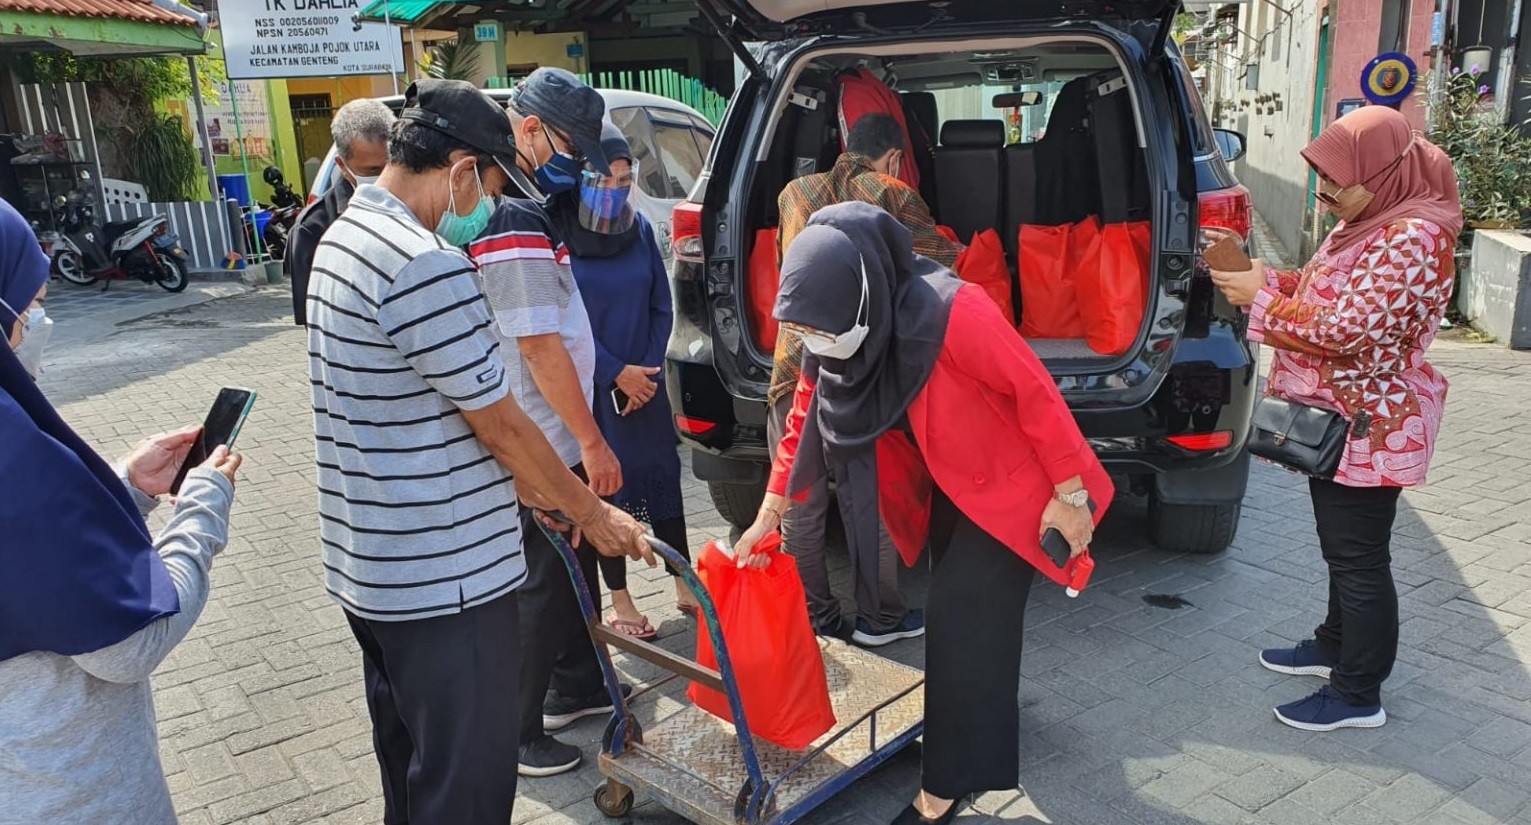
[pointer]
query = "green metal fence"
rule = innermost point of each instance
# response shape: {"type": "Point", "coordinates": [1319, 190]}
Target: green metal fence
{"type": "Point", "coordinates": [666, 83]}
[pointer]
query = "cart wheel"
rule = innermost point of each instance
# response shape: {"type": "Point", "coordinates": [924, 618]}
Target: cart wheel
{"type": "Point", "coordinates": [614, 799]}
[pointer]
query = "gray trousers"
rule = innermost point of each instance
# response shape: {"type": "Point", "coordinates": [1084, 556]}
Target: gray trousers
{"type": "Point", "coordinates": [803, 532]}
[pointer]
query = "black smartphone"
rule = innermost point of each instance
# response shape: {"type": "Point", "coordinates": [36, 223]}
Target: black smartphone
{"type": "Point", "coordinates": [221, 426]}
{"type": "Point", "coordinates": [619, 400]}
{"type": "Point", "coordinates": [1056, 546]}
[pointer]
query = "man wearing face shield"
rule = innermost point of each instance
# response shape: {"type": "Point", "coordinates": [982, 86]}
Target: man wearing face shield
{"type": "Point", "coordinates": [550, 358]}
{"type": "Point", "coordinates": [422, 451]}
{"type": "Point", "coordinates": [360, 129]}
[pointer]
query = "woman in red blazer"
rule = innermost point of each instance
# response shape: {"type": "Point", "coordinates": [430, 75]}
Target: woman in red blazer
{"type": "Point", "coordinates": [922, 403]}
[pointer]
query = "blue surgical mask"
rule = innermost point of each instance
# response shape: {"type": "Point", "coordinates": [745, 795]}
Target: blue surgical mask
{"type": "Point", "coordinates": [460, 230]}
{"type": "Point", "coordinates": [561, 173]}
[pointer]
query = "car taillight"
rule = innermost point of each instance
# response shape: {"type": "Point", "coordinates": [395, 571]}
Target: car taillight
{"type": "Point", "coordinates": [694, 426]}
{"type": "Point", "coordinates": [1203, 442]}
{"type": "Point", "coordinates": [1228, 209]}
{"type": "Point", "coordinates": [686, 232]}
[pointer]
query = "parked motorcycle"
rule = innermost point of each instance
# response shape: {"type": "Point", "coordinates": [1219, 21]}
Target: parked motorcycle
{"type": "Point", "coordinates": [140, 248]}
{"type": "Point", "coordinates": [286, 205]}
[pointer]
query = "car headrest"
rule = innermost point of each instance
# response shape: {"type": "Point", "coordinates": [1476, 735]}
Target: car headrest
{"type": "Point", "coordinates": [973, 134]}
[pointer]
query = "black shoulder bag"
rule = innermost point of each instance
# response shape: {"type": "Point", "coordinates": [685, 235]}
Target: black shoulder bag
{"type": "Point", "coordinates": [1306, 439]}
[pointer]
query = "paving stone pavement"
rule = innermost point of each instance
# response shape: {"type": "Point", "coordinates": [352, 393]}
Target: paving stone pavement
{"type": "Point", "coordinates": [1131, 713]}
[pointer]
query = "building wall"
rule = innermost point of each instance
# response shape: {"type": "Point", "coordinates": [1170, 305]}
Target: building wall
{"type": "Point", "coordinates": [1286, 52]}
{"type": "Point", "coordinates": [617, 55]}
{"type": "Point", "coordinates": [525, 48]}
{"type": "Point", "coordinates": [1356, 34]}
{"type": "Point", "coordinates": [1285, 49]}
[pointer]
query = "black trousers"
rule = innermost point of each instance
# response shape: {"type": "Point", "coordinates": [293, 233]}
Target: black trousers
{"type": "Point", "coordinates": [442, 695]}
{"type": "Point", "coordinates": [555, 643]}
{"type": "Point", "coordinates": [1355, 531]}
{"type": "Point", "coordinates": [975, 614]}
{"type": "Point", "coordinates": [671, 531]}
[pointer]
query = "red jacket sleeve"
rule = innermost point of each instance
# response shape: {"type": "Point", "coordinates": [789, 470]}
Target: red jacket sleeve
{"type": "Point", "coordinates": [792, 434]}
{"type": "Point", "coordinates": [982, 345]}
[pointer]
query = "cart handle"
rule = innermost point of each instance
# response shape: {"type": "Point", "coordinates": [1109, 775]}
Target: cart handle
{"type": "Point", "coordinates": [722, 680]}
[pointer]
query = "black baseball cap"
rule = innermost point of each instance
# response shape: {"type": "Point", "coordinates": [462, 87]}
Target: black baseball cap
{"type": "Point", "coordinates": [564, 102]}
{"type": "Point", "coordinates": [457, 108]}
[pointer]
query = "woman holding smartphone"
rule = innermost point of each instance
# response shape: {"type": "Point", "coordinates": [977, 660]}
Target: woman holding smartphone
{"type": "Point", "coordinates": [90, 604]}
{"type": "Point", "coordinates": [922, 403]}
{"type": "Point", "coordinates": [626, 290]}
{"type": "Point", "coordinates": [1348, 334]}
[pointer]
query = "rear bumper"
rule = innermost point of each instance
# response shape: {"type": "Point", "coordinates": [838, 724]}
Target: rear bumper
{"type": "Point", "coordinates": [1200, 395]}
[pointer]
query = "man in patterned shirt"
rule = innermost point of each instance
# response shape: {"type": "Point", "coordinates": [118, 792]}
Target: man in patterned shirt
{"type": "Point", "coordinates": [867, 171]}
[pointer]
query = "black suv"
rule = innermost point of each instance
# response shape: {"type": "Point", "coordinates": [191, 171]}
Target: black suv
{"type": "Point", "coordinates": [1170, 415]}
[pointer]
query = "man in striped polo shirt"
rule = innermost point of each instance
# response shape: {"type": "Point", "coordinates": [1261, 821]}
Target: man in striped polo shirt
{"type": "Point", "coordinates": [421, 449]}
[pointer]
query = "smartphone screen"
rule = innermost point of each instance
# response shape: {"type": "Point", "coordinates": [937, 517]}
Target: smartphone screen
{"type": "Point", "coordinates": [220, 427]}
{"type": "Point", "coordinates": [619, 400]}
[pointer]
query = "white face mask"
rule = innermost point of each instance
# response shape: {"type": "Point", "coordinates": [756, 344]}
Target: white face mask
{"type": "Point", "coordinates": [36, 327]}
{"type": "Point", "coordinates": [366, 180]}
{"type": "Point", "coordinates": [848, 343]}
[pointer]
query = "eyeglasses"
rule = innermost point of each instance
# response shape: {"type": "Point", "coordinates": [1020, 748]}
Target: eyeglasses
{"type": "Point", "coordinates": [572, 150]}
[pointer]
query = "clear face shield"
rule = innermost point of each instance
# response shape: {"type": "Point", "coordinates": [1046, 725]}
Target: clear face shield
{"type": "Point", "coordinates": [603, 201]}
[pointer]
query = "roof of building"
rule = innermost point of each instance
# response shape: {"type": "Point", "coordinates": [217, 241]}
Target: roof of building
{"type": "Point", "coordinates": [139, 11]}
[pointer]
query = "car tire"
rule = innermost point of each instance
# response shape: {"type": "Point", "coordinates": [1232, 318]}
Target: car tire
{"type": "Point", "coordinates": [738, 504]}
{"type": "Point", "coordinates": [1192, 528]}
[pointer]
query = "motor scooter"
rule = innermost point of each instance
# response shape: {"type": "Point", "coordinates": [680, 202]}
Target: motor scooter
{"type": "Point", "coordinates": [286, 205]}
{"type": "Point", "coordinates": [142, 249]}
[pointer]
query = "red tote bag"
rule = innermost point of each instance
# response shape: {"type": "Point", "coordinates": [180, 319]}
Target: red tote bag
{"type": "Point", "coordinates": [1049, 258]}
{"type": "Point", "coordinates": [983, 263]}
{"type": "Point", "coordinates": [1113, 294]}
{"type": "Point", "coordinates": [764, 281]}
{"type": "Point", "coordinates": [775, 656]}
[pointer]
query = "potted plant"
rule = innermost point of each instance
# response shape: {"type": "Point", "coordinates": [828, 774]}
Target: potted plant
{"type": "Point", "coordinates": [1488, 156]}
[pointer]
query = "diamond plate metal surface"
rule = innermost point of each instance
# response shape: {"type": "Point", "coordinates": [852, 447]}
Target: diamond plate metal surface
{"type": "Point", "coordinates": [692, 764]}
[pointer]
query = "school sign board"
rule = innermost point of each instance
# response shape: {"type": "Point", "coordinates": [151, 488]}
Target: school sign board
{"type": "Point", "coordinates": [304, 38]}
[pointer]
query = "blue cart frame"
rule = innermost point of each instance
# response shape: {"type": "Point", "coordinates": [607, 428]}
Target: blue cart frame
{"type": "Point", "coordinates": [688, 774]}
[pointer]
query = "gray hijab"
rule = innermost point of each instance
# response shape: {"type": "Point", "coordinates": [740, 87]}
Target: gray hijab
{"type": "Point", "coordinates": [858, 399]}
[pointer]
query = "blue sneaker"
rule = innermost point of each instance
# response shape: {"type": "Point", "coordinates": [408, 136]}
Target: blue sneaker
{"type": "Point", "coordinates": [912, 626]}
{"type": "Point", "coordinates": [1306, 659]}
{"type": "Point", "coordinates": [1326, 710]}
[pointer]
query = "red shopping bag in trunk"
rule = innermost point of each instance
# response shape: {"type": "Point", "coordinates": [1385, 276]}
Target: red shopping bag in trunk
{"type": "Point", "coordinates": [1113, 293]}
{"type": "Point", "coordinates": [775, 656]}
{"type": "Point", "coordinates": [1049, 258]}
{"type": "Point", "coordinates": [983, 263]}
{"type": "Point", "coordinates": [764, 280]}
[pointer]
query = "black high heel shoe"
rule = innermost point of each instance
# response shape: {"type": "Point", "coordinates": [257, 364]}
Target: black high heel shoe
{"type": "Point", "coordinates": [912, 816]}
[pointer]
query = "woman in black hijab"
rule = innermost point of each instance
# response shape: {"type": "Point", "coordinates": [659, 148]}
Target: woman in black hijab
{"type": "Point", "coordinates": [626, 291]}
{"type": "Point", "coordinates": [922, 403]}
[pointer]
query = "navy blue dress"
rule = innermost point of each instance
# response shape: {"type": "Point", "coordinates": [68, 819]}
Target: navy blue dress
{"type": "Point", "coordinates": [628, 300]}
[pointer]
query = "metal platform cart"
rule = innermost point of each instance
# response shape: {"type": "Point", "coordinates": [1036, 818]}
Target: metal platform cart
{"type": "Point", "coordinates": [715, 773]}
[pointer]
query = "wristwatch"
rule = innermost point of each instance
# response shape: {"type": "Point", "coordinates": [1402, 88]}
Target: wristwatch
{"type": "Point", "coordinates": [1078, 498]}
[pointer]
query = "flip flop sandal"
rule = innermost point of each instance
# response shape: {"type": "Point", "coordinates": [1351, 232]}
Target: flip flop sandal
{"type": "Point", "coordinates": [642, 631]}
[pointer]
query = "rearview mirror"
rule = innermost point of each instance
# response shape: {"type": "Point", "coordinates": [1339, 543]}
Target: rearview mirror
{"type": "Point", "coordinates": [1011, 100]}
{"type": "Point", "coordinates": [1230, 143]}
